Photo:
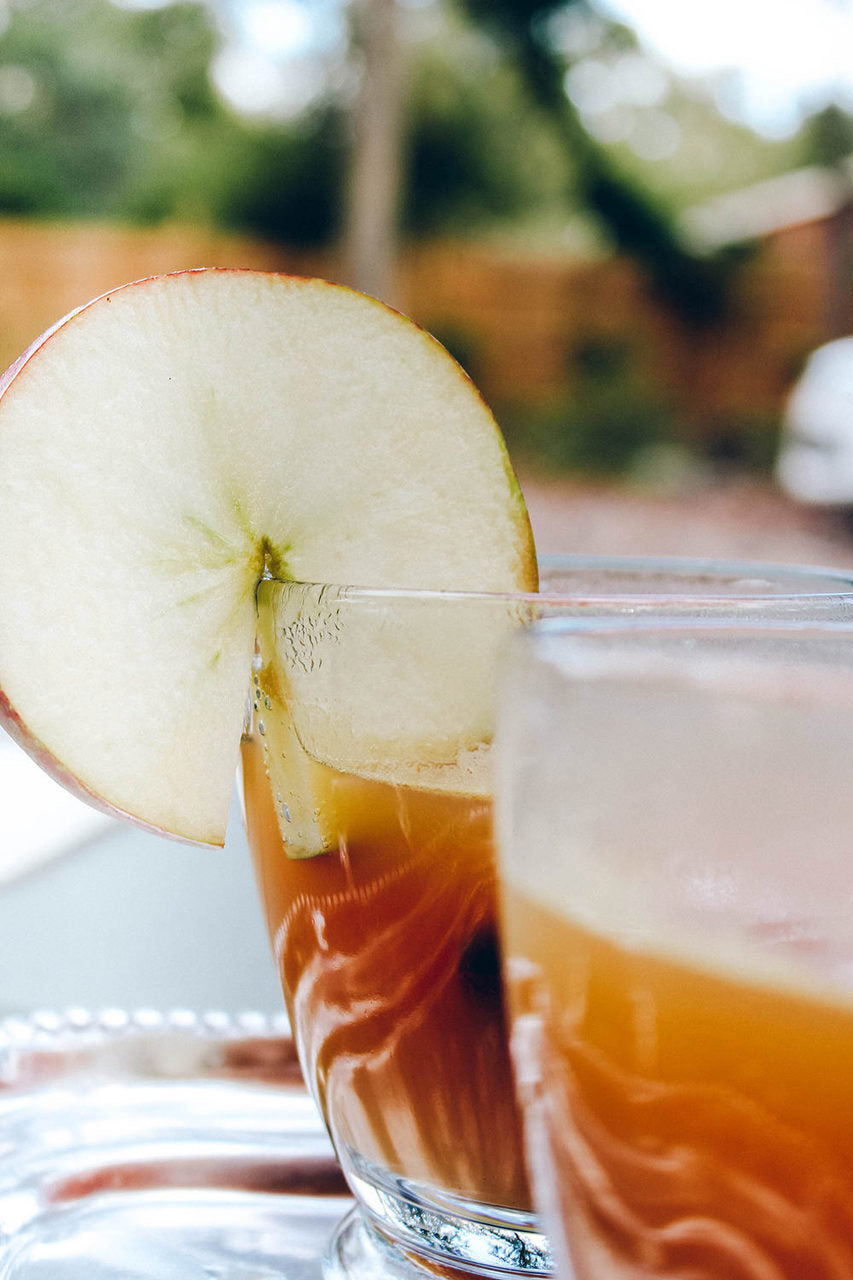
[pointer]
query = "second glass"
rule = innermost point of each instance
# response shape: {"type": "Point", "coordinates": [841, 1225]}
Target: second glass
{"type": "Point", "coordinates": [675, 818]}
{"type": "Point", "coordinates": [367, 791]}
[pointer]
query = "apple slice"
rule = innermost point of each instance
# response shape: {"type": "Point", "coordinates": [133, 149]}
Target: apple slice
{"type": "Point", "coordinates": [164, 446]}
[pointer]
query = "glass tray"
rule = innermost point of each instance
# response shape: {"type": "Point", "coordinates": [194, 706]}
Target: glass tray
{"type": "Point", "coordinates": [153, 1146]}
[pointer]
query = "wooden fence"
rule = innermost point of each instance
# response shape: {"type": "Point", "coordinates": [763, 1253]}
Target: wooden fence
{"type": "Point", "coordinates": [518, 322]}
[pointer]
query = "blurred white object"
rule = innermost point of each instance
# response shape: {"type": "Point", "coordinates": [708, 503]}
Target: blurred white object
{"type": "Point", "coordinates": [39, 819]}
{"type": "Point", "coordinates": [815, 463]}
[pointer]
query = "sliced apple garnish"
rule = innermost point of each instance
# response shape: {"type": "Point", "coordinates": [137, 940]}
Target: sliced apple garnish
{"type": "Point", "coordinates": [161, 449]}
{"type": "Point", "coordinates": [403, 694]}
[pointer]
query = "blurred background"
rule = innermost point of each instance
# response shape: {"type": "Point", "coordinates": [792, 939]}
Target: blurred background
{"type": "Point", "coordinates": [630, 220]}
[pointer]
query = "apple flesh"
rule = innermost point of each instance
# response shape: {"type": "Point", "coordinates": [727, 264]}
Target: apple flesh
{"type": "Point", "coordinates": [161, 449]}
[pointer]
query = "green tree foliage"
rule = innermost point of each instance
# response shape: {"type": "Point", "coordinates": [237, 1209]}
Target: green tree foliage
{"type": "Point", "coordinates": [827, 138]}
{"type": "Point", "coordinates": [101, 109]}
{"type": "Point", "coordinates": [696, 288]}
{"type": "Point", "coordinates": [112, 112]}
{"type": "Point", "coordinates": [288, 184]}
{"type": "Point", "coordinates": [478, 152]}
{"type": "Point", "coordinates": [608, 422]}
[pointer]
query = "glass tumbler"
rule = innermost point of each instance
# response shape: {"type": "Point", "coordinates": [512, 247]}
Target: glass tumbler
{"type": "Point", "coordinates": [368, 800]}
{"type": "Point", "coordinates": [675, 816]}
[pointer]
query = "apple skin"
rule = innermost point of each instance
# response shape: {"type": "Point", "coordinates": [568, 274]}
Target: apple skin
{"type": "Point", "coordinates": [262, 548]}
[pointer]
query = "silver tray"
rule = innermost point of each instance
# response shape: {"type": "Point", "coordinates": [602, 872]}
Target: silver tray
{"type": "Point", "coordinates": [153, 1146]}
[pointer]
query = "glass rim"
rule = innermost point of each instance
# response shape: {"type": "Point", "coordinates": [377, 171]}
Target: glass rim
{"type": "Point", "coordinates": [738, 623]}
{"type": "Point", "coordinates": [735, 650]}
{"type": "Point", "coordinates": [819, 582]}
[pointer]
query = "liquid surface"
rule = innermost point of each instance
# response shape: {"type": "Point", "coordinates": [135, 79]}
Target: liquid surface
{"type": "Point", "coordinates": [386, 946]}
{"type": "Point", "coordinates": [682, 1123]}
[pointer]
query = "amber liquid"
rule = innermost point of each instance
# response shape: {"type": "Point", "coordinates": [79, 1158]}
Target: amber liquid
{"type": "Point", "coordinates": [386, 947]}
{"type": "Point", "coordinates": [686, 1123]}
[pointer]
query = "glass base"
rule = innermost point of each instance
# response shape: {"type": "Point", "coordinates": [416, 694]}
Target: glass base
{"type": "Point", "coordinates": [433, 1230]}
{"type": "Point", "coordinates": [360, 1251]}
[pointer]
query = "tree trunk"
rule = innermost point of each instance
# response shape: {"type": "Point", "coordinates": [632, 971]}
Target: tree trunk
{"type": "Point", "coordinates": [374, 190]}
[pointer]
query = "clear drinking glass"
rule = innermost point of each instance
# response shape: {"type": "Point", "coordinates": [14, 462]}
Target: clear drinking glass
{"type": "Point", "coordinates": [367, 792]}
{"type": "Point", "coordinates": [675, 817]}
